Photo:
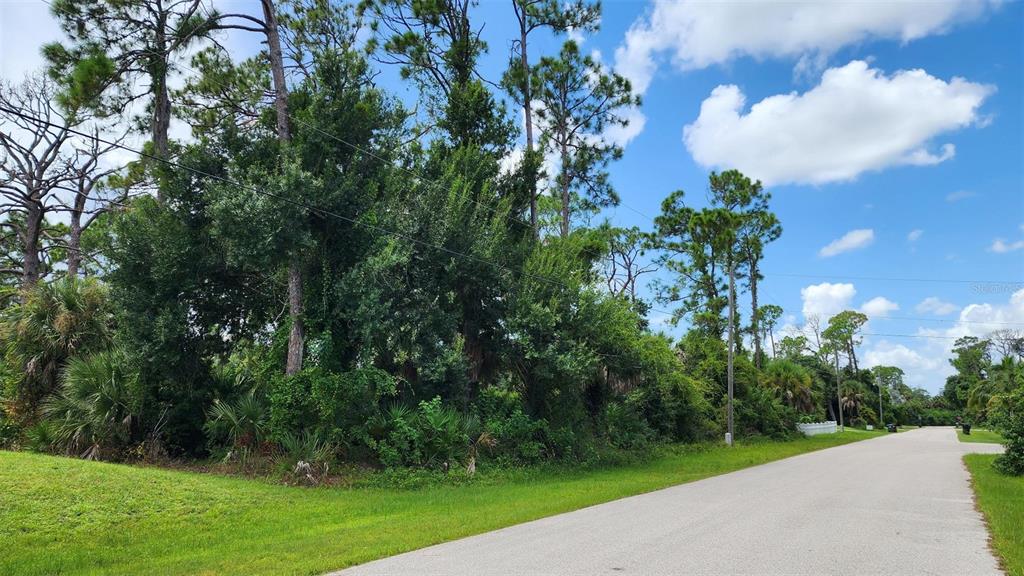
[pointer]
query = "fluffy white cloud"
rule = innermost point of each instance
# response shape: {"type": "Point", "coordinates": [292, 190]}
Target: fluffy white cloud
{"type": "Point", "coordinates": [934, 305]}
{"type": "Point", "coordinates": [857, 119]}
{"type": "Point", "coordinates": [915, 235]}
{"type": "Point", "coordinates": [923, 368]}
{"type": "Point", "coordinates": [826, 300]}
{"type": "Point", "coordinates": [850, 241]}
{"type": "Point", "coordinates": [879, 306]}
{"type": "Point", "coordinates": [698, 33]}
{"type": "Point", "coordinates": [982, 319]}
{"type": "Point", "coordinates": [1001, 246]}
{"type": "Point", "coordinates": [924, 358]}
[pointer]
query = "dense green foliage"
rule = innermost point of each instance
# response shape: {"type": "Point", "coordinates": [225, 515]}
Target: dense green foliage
{"type": "Point", "coordinates": [320, 274]}
{"type": "Point", "coordinates": [63, 516]}
{"type": "Point", "coordinates": [986, 392]}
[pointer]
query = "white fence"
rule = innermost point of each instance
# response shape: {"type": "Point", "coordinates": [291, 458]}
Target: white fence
{"type": "Point", "coordinates": [817, 428]}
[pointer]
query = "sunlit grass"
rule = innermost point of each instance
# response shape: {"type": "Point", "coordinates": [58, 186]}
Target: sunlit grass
{"type": "Point", "coordinates": [979, 435]}
{"type": "Point", "coordinates": [66, 516]}
{"type": "Point", "coordinates": [1001, 499]}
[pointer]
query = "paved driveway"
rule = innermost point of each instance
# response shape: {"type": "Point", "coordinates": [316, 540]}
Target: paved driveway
{"type": "Point", "coordinates": [896, 505]}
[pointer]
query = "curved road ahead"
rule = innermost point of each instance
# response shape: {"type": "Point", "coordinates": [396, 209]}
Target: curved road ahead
{"type": "Point", "coordinates": [899, 504]}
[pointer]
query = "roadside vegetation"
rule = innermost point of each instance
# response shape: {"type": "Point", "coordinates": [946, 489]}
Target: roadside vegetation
{"type": "Point", "coordinates": [1001, 499]}
{"type": "Point", "coordinates": [324, 278]}
{"type": "Point", "coordinates": [980, 435]}
{"type": "Point", "coordinates": [60, 515]}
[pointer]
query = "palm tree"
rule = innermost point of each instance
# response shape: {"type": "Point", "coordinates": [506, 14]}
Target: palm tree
{"type": "Point", "coordinates": [243, 422]}
{"type": "Point", "coordinates": [852, 398]}
{"type": "Point", "coordinates": [791, 383]}
{"type": "Point", "coordinates": [53, 322]}
{"type": "Point", "coordinates": [1003, 377]}
{"type": "Point", "coordinates": [99, 405]}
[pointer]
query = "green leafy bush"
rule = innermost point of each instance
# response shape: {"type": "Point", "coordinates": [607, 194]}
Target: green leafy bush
{"type": "Point", "coordinates": [1008, 414]}
{"type": "Point", "coordinates": [518, 438]}
{"type": "Point", "coordinates": [98, 411]}
{"type": "Point", "coordinates": [337, 406]}
{"type": "Point", "coordinates": [625, 426]}
{"type": "Point", "coordinates": [433, 435]}
{"type": "Point", "coordinates": [761, 413]}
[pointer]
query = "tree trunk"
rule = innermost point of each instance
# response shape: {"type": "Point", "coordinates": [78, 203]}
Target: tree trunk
{"type": "Point", "coordinates": [565, 191]}
{"type": "Point", "coordinates": [277, 70]}
{"type": "Point", "coordinates": [754, 320]}
{"type": "Point", "coordinates": [75, 244]}
{"type": "Point", "coordinates": [30, 242]}
{"type": "Point", "coordinates": [528, 115]}
{"type": "Point", "coordinates": [296, 339]}
{"type": "Point", "coordinates": [161, 121]}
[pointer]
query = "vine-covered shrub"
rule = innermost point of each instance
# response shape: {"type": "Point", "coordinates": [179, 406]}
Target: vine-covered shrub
{"type": "Point", "coordinates": [335, 406]}
{"type": "Point", "coordinates": [432, 435]}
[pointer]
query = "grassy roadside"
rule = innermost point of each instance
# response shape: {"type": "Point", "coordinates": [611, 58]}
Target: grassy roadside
{"type": "Point", "coordinates": [977, 435]}
{"type": "Point", "coordinates": [1001, 499]}
{"type": "Point", "coordinates": [59, 515]}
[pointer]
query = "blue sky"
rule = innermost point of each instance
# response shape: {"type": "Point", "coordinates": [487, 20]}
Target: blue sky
{"type": "Point", "coordinates": [898, 126]}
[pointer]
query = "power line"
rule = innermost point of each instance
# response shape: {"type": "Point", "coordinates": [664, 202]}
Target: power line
{"type": "Point", "coordinates": [291, 201]}
{"type": "Point", "coordinates": [950, 320]}
{"type": "Point", "coordinates": [896, 279]}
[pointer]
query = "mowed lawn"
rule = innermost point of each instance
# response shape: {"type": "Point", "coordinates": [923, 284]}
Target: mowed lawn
{"type": "Point", "coordinates": [67, 516]}
{"type": "Point", "coordinates": [1001, 499]}
{"type": "Point", "coordinates": [976, 435]}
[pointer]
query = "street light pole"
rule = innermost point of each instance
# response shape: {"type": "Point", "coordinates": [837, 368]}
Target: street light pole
{"type": "Point", "coordinates": [732, 303]}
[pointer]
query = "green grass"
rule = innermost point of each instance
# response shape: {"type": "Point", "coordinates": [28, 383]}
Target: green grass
{"type": "Point", "coordinates": [66, 516]}
{"type": "Point", "coordinates": [979, 435]}
{"type": "Point", "coordinates": [1001, 499]}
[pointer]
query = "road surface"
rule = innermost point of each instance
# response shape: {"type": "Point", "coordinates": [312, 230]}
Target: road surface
{"type": "Point", "coordinates": [899, 504]}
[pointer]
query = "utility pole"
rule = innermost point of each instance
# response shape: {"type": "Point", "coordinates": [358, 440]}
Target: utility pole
{"type": "Point", "coordinates": [839, 395]}
{"type": "Point", "coordinates": [881, 416]}
{"type": "Point", "coordinates": [732, 304]}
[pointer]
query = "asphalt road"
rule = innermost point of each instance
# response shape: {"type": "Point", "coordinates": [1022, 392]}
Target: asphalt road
{"type": "Point", "coordinates": [896, 505]}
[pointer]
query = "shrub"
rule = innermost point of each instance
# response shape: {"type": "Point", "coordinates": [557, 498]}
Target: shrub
{"type": "Point", "coordinates": [337, 406]}
{"type": "Point", "coordinates": [239, 423]}
{"type": "Point", "coordinates": [395, 437]}
{"type": "Point", "coordinates": [671, 402]}
{"type": "Point", "coordinates": [54, 322]}
{"type": "Point", "coordinates": [759, 412]}
{"type": "Point", "coordinates": [625, 427]}
{"type": "Point", "coordinates": [434, 435]}
{"type": "Point", "coordinates": [517, 438]}
{"type": "Point", "coordinates": [9, 431]}
{"type": "Point", "coordinates": [1009, 416]}
{"type": "Point", "coordinates": [97, 412]}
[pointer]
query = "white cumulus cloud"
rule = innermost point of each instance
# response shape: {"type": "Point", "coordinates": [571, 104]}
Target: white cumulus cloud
{"type": "Point", "coordinates": [915, 235]}
{"type": "Point", "coordinates": [850, 241]}
{"type": "Point", "coordinates": [879, 306]}
{"type": "Point", "coordinates": [826, 299]}
{"type": "Point", "coordinates": [1001, 246]}
{"type": "Point", "coordinates": [935, 305]}
{"type": "Point", "coordinates": [857, 119]}
{"type": "Point", "coordinates": [697, 33]}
